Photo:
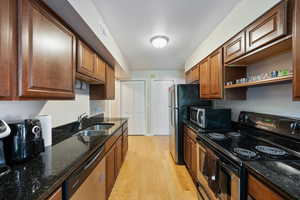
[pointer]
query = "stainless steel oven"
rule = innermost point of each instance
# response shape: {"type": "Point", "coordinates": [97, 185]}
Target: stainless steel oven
{"type": "Point", "coordinates": [209, 118]}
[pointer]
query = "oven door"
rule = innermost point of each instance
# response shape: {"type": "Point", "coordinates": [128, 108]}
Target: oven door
{"type": "Point", "coordinates": [229, 181]}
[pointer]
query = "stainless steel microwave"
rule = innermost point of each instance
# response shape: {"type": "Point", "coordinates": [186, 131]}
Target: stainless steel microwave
{"type": "Point", "coordinates": [209, 118]}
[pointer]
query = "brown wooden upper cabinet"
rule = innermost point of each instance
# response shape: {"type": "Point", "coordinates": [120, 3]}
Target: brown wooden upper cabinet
{"type": "Point", "coordinates": [235, 47]}
{"type": "Point", "coordinates": [211, 79]}
{"type": "Point", "coordinates": [8, 48]}
{"type": "Point", "coordinates": [296, 52]}
{"type": "Point", "coordinates": [105, 91]}
{"type": "Point", "coordinates": [267, 28]}
{"type": "Point", "coordinates": [192, 76]}
{"type": "Point", "coordinates": [47, 49]}
{"type": "Point", "coordinates": [85, 59]}
{"type": "Point", "coordinates": [100, 68]}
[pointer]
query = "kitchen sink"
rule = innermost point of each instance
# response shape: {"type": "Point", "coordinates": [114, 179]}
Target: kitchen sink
{"type": "Point", "coordinates": [95, 130]}
{"type": "Point", "coordinates": [101, 127]}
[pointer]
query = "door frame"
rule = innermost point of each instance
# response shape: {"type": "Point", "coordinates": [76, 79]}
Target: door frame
{"type": "Point", "coordinates": [151, 106]}
{"type": "Point", "coordinates": [145, 101]}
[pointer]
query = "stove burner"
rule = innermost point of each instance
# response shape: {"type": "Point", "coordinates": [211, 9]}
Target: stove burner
{"type": "Point", "coordinates": [234, 134]}
{"type": "Point", "coordinates": [217, 136]}
{"type": "Point", "coordinates": [245, 152]}
{"type": "Point", "coordinates": [271, 150]}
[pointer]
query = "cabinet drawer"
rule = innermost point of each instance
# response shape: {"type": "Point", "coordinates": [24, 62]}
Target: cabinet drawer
{"type": "Point", "coordinates": [57, 195]}
{"type": "Point", "coordinates": [269, 27]}
{"type": "Point", "coordinates": [259, 191]}
{"type": "Point", "coordinates": [235, 47]}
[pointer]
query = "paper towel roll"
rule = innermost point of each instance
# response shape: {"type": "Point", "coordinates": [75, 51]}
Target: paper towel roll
{"type": "Point", "coordinates": [46, 123]}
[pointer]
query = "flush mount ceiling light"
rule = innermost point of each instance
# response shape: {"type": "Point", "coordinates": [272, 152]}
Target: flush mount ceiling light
{"type": "Point", "coordinates": [159, 41]}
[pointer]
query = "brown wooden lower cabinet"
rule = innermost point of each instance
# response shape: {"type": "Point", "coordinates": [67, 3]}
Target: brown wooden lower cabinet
{"type": "Point", "coordinates": [125, 144]}
{"type": "Point", "coordinates": [190, 151]}
{"type": "Point", "coordinates": [259, 191]}
{"type": "Point", "coordinates": [118, 154]}
{"type": "Point", "coordinates": [57, 195]}
{"type": "Point", "coordinates": [110, 170]}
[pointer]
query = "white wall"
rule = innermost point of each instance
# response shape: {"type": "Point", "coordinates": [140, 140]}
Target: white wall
{"type": "Point", "coordinates": [62, 112]}
{"type": "Point", "coordinates": [148, 76]}
{"type": "Point", "coordinates": [88, 11]}
{"type": "Point", "coordinates": [242, 15]}
{"type": "Point", "coordinates": [272, 99]}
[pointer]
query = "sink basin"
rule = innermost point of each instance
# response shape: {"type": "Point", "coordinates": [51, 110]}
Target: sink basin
{"type": "Point", "coordinates": [89, 133]}
{"type": "Point", "coordinates": [101, 127]}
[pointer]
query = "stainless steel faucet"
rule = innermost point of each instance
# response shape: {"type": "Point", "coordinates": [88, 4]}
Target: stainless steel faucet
{"type": "Point", "coordinates": [81, 118]}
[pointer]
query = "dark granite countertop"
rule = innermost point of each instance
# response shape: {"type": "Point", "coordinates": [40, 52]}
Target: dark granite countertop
{"type": "Point", "coordinates": [284, 176]}
{"type": "Point", "coordinates": [38, 178]}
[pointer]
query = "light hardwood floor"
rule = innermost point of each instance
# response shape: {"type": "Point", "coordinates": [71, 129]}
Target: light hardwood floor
{"type": "Point", "coordinates": [149, 173]}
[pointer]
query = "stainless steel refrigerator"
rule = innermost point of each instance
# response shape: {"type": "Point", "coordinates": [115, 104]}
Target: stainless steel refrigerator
{"type": "Point", "coordinates": [181, 96]}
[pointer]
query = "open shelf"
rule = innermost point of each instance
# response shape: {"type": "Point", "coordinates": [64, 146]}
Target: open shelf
{"type": "Point", "coordinates": [281, 45]}
{"type": "Point", "coordinates": [261, 82]}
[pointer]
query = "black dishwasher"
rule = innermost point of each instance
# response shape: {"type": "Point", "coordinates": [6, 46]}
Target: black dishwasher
{"type": "Point", "coordinates": [75, 180]}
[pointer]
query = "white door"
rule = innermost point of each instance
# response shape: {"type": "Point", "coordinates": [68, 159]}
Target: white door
{"type": "Point", "coordinates": [133, 106]}
{"type": "Point", "coordinates": [159, 106]}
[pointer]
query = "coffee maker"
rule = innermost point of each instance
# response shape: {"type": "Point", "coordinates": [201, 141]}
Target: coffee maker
{"type": "Point", "coordinates": [25, 141]}
{"type": "Point", "coordinates": [4, 132]}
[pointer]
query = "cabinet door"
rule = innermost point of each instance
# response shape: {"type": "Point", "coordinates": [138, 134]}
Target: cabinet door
{"type": "Point", "coordinates": [185, 143]}
{"type": "Point", "coordinates": [194, 159]}
{"type": "Point", "coordinates": [86, 60]}
{"type": "Point", "coordinates": [259, 191]}
{"type": "Point", "coordinates": [100, 69]}
{"type": "Point", "coordinates": [110, 171]}
{"type": "Point", "coordinates": [57, 195]}
{"type": "Point", "coordinates": [8, 48]}
{"type": "Point", "coordinates": [110, 83]}
{"type": "Point", "coordinates": [125, 144]}
{"type": "Point", "coordinates": [118, 156]}
{"type": "Point", "coordinates": [296, 52]}
{"type": "Point", "coordinates": [216, 75]}
{"type": "Point", "coordinates": [269, 27]}
{"type": "Point", "coordinates": [47, 47]}
{"type": "Point", "coordinates": [235, 47]}
{"type": "Point", "coordinates": [195, 73]}
{"type": "Point", "coordinates": [204, 79]}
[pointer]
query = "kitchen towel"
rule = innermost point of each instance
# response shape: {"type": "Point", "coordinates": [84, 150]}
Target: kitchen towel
{"type": "Point", "coordinates": [46, 123]}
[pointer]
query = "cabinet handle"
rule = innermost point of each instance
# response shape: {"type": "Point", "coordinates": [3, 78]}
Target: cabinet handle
{"type": "Point", "coordinates": [92, 161]}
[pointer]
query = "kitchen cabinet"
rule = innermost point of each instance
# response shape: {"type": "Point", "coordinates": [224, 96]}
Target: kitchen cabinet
{"type": "Point", "coordinates": [100, 68]}
{"type": "Point", "coordinates": [85, 59]}
{"type": "Point", "coordinates": [125, 144]}
{"type": "Point", "coordinates": [211, 79]}
{"type": "Point", "coordinates": [296, 52]}
{"type": "Point", "coordinates": [110, 170]}
{"type": "Point", "coordinates": [8, 48]}
{"type": "Point", "coordinates": [267, 28]}
{"type": "Point", "coordinates": [47, 54]}
{"type": "Point", "coordinates": [235, 47]}
{"type": "Point", "coordinates": [192, 76]}
{"type": "Point", "coordinates": [204, 79]}
{"type": "Point", "coordinates": [57, 195]}
{"type": "Point", "coordinates": [259, 191]}
{"type": "Point", "coordinates": [104, 91]}
{"type": "Point", "coordinates": [118, 155]}
{"type": "Point", "coordinates": [216, 75]}
{"type": "Point", "coordinates": [190, 151]}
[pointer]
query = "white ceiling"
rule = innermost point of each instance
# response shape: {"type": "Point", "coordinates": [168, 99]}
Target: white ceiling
{"type": "Point", "coordinates": [186, 22]}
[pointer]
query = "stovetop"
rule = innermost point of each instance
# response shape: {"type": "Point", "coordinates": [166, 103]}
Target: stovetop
{"type": "Point", "coordinates": [240, 146]}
